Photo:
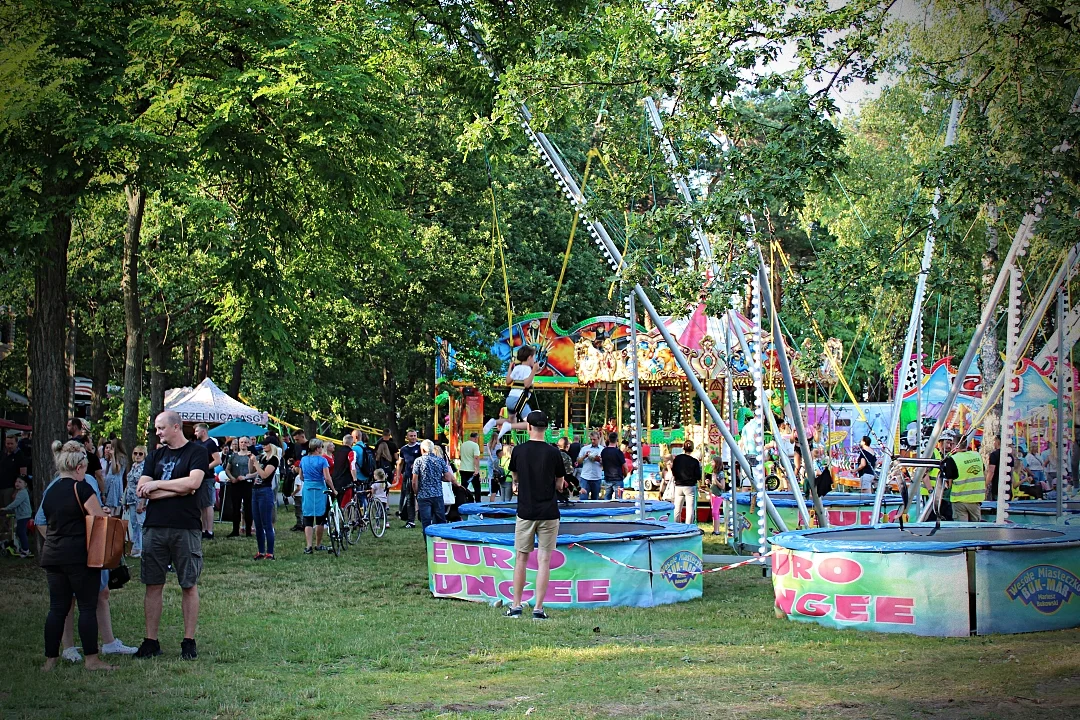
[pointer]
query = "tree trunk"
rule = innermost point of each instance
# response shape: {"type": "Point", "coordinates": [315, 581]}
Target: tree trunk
{"type": "Point", "coordinates": [206, 359]}
{"type": "Point", "coordinates": [69, 358]}
{"type": "Point", "coordinates": [236, 377]}
{"type": "Point", "coordinates": [48, 326]}
{"type": "Point", "coordinates": [430, 425]}
{"type": "Point", "coordinates": [309, 426]}
{"type": "Point", "coordinates": [133, 346]}
{"type": "Point", "coordinates": [189, 361]}
{"type": "Point", "coordinates": [389, 395]}
{"type": "Point", "coordinates": [989, 360]}
{"type": "Point", "coordinates": [158, 349]}
{"type": "Point", "coordinates": [100, 375]}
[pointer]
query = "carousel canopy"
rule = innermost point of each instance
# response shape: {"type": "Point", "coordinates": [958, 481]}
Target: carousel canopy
{"type": "Point", "coordinates": [690, 330]}
{"type": "Point", "coordinates": [208, 403]}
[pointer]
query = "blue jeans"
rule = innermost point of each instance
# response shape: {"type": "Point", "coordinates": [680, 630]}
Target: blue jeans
{"type": "Point", "coordinates": [262, 505]}
{"type": "Point", "coordinates": [135, 527]}
{"type": "Point", "coordinates": [431, 510]}
{"type": "Point", "coordinates": [591, 488]}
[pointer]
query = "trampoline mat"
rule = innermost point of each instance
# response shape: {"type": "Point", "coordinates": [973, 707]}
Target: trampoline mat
{"type": "Point", "coordinates": [1043, 506]}
{"type": "Point", "coordinates": [590, 504]}
{"type": "Point", "coordinates": [572, 528]}
{"type": "Point", "coordinates": [943, 535]}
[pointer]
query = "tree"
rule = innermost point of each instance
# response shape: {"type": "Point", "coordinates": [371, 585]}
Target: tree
{"type": "Point", "coordinates": [62, 63]}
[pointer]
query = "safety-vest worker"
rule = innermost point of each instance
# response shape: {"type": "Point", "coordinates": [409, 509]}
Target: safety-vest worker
{"type": "Point", "coordinates": [970, 483]}
{"type": "Point", "coordinates": [933, 475]}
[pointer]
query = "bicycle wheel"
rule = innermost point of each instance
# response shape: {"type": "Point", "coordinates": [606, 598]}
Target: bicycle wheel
{"type": "Point", "coordinates": [337, 539]}
{"type": "Point", "coordinates": [376, 513]}
{"type": "Point", "coordinates": [353, 527]}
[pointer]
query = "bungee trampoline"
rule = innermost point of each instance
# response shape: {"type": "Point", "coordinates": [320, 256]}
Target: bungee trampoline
{"type": "Point", "coordinates": [951, 580]}
{"type": "Point", "coordinates": [842, 510]}
{"type": "Point", "coordinates": [587, 509]}
{"type": "Point", "coordinates": [474, 560]}
{"type": "Point", "coordinates": [1035, 512]}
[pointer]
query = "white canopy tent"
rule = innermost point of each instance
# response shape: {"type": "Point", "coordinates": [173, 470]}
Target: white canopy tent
{"type": "Point", "coordinates": [207, 403]}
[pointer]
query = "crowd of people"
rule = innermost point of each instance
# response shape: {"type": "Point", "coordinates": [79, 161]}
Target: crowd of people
{"type": "Point", "coordinates": [169, 496]}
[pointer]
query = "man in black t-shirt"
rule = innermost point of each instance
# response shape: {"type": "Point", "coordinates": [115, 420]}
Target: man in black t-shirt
{"type": "Point", "coordinates": [687, 473]}
{"type": "Point", "coordinates": [207, 493]}
{"type": "Point", "coordinates": [407, 455]}
{"type": "Point", "coordinates": [611, 461]}
{"type": "Point", "coordinates": [993, 461]}
{"type": "Point", "coordinates": [172, 530]}
{"type": "Point", "coordinates": [539, 475]}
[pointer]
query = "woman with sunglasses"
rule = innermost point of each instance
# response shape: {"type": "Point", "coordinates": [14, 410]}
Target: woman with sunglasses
{"type": "Point", "coordinates": [135, 507]}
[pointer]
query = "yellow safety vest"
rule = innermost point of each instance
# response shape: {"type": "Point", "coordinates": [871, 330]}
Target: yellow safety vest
{"type": "Point", "coordinates": [970, 484]}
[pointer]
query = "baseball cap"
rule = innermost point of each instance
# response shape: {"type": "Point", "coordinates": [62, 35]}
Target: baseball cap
{"type": "Point", "coordinates": [537, 418]}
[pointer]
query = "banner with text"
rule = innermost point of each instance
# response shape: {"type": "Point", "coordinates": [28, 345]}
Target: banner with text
{"type": "Point", "coordinates": [484, 573]}
{"type": "Point", "coordinates": [887, 592]}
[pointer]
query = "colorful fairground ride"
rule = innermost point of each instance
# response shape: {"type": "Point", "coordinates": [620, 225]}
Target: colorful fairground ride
{"type": "Point", "coordinates": [589, 365]}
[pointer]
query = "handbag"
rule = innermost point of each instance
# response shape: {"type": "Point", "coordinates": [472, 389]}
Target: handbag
{"type": "Point", "coordinates": [119, 576]}
{"type": "Point", "coordinates": [105, 538]}
{"type": "Point", "coordinates": [448, 494]}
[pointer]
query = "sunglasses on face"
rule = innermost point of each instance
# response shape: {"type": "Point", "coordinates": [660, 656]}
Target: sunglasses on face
{"type": "Point", "coordinates": [137, 454]}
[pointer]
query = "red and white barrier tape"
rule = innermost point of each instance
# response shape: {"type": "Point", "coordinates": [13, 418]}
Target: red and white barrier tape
{"type": "Point", "coordinates": [751, 561]}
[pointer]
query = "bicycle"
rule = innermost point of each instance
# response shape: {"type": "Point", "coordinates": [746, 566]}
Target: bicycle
{"type": "Point", "coordinates": [335, 526]}
{"type": "Point", "coordinates": [362, 511]}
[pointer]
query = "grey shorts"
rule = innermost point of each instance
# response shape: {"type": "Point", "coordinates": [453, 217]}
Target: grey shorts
{"type": "Point", "coordinates": [171, 546]}
{"type": "Point", "coordinates": [205, 494]}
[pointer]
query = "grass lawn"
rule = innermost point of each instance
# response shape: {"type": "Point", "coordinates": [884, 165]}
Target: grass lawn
{"type": "Point", "coordinates": [361, 636]}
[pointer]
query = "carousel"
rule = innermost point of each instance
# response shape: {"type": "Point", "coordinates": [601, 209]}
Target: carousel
{"type": "Point", "coordinates": [583, 374]}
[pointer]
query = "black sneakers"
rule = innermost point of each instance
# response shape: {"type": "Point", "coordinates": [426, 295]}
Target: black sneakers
{"type": "Point", "coordinates": [187, 649]}
{"type": "Point", "coordinates": [539, 615]}
{"type": "Point", "coordinates": [514, 612]}
{"type": "Point", "coordinates": [149, 648]}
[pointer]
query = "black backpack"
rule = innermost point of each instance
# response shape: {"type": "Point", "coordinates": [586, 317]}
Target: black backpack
{"type": "Point", "coordinates": [366, 463]}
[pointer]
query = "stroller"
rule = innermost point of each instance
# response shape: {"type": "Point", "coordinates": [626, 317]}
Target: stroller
{"type": "Point", "coordinates": [461, 496]}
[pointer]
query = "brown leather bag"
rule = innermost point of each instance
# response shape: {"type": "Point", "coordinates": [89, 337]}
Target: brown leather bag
{"type": "Point", "coordinates": [105, 538]}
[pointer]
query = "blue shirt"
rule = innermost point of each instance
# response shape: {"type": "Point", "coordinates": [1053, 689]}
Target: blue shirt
{"type": "Point", "coordinates": [359, 448]}
{"type": "Point", "coordinates": [20, 506]}
{"type": "Point", "coordinates": [430, 469]}
{"type": "Point", "coordinates": [312, 466]}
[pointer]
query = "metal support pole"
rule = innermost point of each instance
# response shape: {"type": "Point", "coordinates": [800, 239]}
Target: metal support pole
{"type": "Point", "coordinates": [990, 396]}
{"type": "Point", "coordinates": [804, 513]}
{"type": "Point", "coordinates": [1060, 400]}
{"type": "Point", "coordinates": [1008, 429]}
{"type": "Point", "coordinates": [1019, 244]}
{"type": "Point", "coordinates": [614, 257]}
{"type": "Point", "coordinates": [680, 182]}
{"type": "Point", "coordinates": [635, 406]}
{"type": "Point", "coordinates": [793, 401]}
{"type": "Point", "coordinates": [913, 325]}
{"type": "Point", "coordinates": [729, 517]}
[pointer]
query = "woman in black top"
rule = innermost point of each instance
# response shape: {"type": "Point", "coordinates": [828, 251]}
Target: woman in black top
{"type": "Point", "coordinates": [262, 497]}
{"type": "Point", "coordinates": [63, 556]}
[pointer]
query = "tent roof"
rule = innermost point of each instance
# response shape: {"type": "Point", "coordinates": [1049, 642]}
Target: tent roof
{"type": "Point", "coordinates": [208, 403]}
{"type": "Point", "coordinates": [234, 428]}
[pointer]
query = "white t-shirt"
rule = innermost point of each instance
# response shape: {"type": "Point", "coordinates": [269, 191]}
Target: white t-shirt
{"type": "Point", "coordinates": [520, 373]}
